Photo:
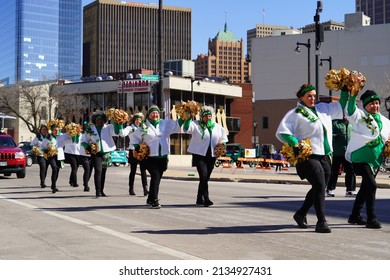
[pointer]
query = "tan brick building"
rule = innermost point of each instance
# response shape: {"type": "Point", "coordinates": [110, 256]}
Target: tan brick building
{"type": "Point", "coordinates": [225, 59]}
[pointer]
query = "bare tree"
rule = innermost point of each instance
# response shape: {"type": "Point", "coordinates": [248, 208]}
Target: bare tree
{"type": "Point", "coordinates": [69, 106]}
{"type": "Point", "coordinates": [385, 93]}
{"type": "Point", "coordinates": [36, 103]}
{"type": "Point", "coordinates": [27, 101]}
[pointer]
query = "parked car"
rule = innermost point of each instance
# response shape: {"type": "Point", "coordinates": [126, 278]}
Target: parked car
{"type": "Point", "coordinates": [27, 149]}
{"type": "Point", "coordinates": [12, 158]}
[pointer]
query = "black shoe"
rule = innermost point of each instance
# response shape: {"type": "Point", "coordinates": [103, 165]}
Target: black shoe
{"type": "Point", "coordinates": [207, 203]}
{"type": "Point", "coordinates": [86, 189]}
{"type": "Point", "coordinates": [155, 205]}
{"type": "Point", "coordinates": [300, 220]}
{"type": "Point", "coordinates": [322, 227]}
{"type": "Point", "coordinates": [146, 192]}
{"type": "Point", "coordinates": [131, 192]}
{"type": "Point", "coordinates": [54, 190]}
{"type": "Point", "coordinates": [102, 194]}
{"type": "Point", "coordinates": [373, 224]}
{"type": "Point", "coordinates": [356, 220]}
{"type": "Point", "coordinates": [148, 202]}
{"type": "Point", "coordinates": [200, 202]}
{"type": "Point", "coordinates": [75, 185]}
{"type": "Point", "coordinates": [43, 185]}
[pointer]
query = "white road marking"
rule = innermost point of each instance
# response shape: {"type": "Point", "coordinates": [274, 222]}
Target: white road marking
{"type": "Point", "coordinates": [132, 239]}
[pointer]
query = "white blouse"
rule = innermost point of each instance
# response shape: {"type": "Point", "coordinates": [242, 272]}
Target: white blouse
{"type": "Point", "coordinates": [157, 136]}
{"type": "Point", "coordinates": [198, 144]}
{"type": "Point", "coordinates": [301, 127]}
{"type": "Point", "coordinates": [362, 134]}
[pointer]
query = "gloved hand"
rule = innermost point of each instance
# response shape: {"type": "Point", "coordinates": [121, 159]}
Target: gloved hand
{"type": "Point", "coordinates": [296, 151]}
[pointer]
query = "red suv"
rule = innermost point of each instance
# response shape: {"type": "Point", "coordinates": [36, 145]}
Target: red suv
{"type": "Point", "coordinates": [12, 158]}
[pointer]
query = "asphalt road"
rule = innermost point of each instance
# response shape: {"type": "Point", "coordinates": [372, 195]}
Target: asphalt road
{"type": "Point", "coordinates": [249, 221]}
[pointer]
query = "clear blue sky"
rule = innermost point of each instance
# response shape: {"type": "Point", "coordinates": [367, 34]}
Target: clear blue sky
{"type": "Point", "coordinates": [209, 16]}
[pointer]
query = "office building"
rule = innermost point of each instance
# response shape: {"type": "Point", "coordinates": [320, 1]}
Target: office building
{"type": "Point", "coordinates": [225, 59]}
{"type": "Point", "coordinates": [329, 25]}
{"type": "Point", "coordinates": [119, 36]}
{"type": "Point", "coordinates": [377, 10]}
{"type": "Point", "coordinates": [265, 30]}
{"type": "Point", "coordinates": [40, 39]}
{"type": "Point", "coordinates": [278, 71]}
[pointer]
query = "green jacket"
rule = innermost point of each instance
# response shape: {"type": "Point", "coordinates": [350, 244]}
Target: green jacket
{"type": "Point", "coordinates": [341, 136]}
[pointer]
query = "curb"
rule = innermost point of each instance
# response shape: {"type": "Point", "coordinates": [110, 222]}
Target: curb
{"type": "Point", "coordinates": [262, 181]}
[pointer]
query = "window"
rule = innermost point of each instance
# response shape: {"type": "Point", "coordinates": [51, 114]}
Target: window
{"type": "Point", "coordinates": [141, 99]}
{"type": "Point", "coordinates": [265, 122]}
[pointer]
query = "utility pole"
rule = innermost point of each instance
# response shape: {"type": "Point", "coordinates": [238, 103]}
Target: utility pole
{"type": "Point", "coordinates": [319, 38]}
{"type": "Point", "coordinates": [160, 54]}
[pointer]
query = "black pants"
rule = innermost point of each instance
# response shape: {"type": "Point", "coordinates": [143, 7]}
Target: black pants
{"type": "Point", "coordinates": [87, 166]}
{"type": "Point", "coordinates": [43, 166]}
{"type": "Point", "coordinates": [55, 166]}
{"type": "Point", "coordinates": [156, 168]}
{"type": "Point", "coordinates": [204, 166]}
{"type": "Point", "coordinates": [317, 171]}
{"type": "Point", "coordinates": [367, 191]}
{"type": "Point", "coordinates": [350, 177]}
{"type": "Point", "coordinates": [133, 169]}
{"type": "Point", "coordinates": [99, 173]}
{"type": "Point", "coordinates": [73, 160]}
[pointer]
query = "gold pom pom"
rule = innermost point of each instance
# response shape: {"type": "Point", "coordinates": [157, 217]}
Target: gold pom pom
{"type": "Point", "coordinates": [50, 152]}
{"type": "Point", "coordinates": [187, 110]}
{"type": "Point", "coordinates": [73, 129]}
{"type": "Point", "coordinates": [304, 152]}
{"type": "Point", "coordinates": [94, 149]}
{"type": "Point", "coordinates": [386, 149]}
{"type": "Point", "coordinates": [55, 122]}
{"type": "Point", "coordinates": [117, 115]}
{"type": "Point", "coordinates": [36, 151]}
{"type": "Point", "coordinates": [142, 153]}
{"type": "Point", "coordinates": [220, 150]}
{"type": "Point", "coordinates": [354, 81]}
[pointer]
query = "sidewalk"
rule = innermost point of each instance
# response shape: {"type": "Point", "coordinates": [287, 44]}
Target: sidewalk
{"type": "Point", "coordinates": [252, 175]}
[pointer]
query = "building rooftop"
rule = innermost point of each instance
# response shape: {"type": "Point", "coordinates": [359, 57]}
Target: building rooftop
{"type": "Point", "coordinates": [225, 35]}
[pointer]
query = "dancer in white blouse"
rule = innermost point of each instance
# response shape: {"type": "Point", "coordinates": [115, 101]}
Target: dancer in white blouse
{"type": "Point", "coordinates": [205, 135]}
{"type": "Point", "coordinates": [129, 131]}
{"type": "Point", "coordinates": [100, 134]}
{"type": "Point", "coordinates": [155, 133]}
{"type": "Point", "coordinates": [42, 162]}
{"type": "Point", "coordinates": [312, 121]}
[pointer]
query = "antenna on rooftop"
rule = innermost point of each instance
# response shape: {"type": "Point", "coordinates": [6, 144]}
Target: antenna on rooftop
{"type": "Point", "coordinates": [263, 16]}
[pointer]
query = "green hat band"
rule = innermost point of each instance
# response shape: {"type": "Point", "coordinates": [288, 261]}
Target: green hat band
{"type": "Point", "coordinates": [205, 113]}
{"type": "Point", "coordinates": [371, 98]}
{"type": "Point", "coordinates": [306, 89]}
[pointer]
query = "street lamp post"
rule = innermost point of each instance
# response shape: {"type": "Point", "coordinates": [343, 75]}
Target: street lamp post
{"type": "Point", "coordinates": [254, 123]}
{"type": "Point", "coordinates": [160, 54]}
{"type": "Point", "coordinates": [192, 84]}
{"type": "Point", "coordinates": [387, 105]}
{"type": "Point", "coordinates": [330, 68]}
{"type": "Point", "coordinates": [298, 50]}
{"type": "Point", "coordinates": [319, 38]}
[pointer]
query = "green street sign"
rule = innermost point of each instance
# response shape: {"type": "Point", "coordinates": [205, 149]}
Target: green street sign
{"type": "Point", "coordinates": [150, 78]}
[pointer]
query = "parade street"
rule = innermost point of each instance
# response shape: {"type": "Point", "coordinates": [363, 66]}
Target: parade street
{"type": "Point", "coordinates": [248, 221]}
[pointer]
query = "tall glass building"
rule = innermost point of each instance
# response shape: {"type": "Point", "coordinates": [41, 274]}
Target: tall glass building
{"type": "Point", "coordinates": [377, 10]}
{"type": "Point", "coordinates": [40, 39]}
